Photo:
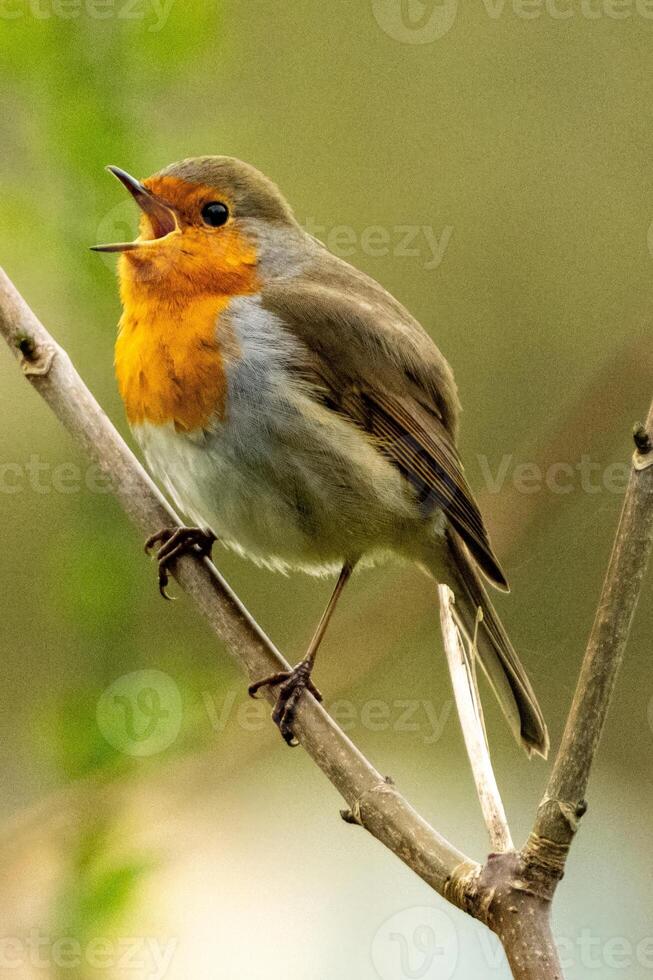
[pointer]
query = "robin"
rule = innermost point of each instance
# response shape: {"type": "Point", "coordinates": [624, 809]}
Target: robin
{"type": "Point", "coordinates": [287, 401]}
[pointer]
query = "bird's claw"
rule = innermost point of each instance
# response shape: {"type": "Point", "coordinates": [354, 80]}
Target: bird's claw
{"type": "Point", "coordinates": [291, 684]}
{"type": "Point", "coordinates": [176, 541]}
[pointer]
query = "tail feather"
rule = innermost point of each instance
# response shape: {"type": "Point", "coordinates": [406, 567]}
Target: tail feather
{"type": "Point", "coordinates": [495, 652]}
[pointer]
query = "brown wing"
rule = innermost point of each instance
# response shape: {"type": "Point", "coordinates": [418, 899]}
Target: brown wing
{"type": "Point", "coordinates": [372, 362]}
{"type": "Point", "coordinates": [421, 448]}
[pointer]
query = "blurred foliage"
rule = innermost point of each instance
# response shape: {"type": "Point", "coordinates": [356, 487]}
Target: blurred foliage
{"type": "Point", "coordinates": [99, 890]}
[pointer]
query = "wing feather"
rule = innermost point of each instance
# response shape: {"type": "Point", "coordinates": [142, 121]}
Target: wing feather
{"type": "Point", "coordinates": [373, 363]}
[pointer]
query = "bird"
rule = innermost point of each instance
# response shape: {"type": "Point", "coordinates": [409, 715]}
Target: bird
{"type": "Point", "coordinates": [296, 411]}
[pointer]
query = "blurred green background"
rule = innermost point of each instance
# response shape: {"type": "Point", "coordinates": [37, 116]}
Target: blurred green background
{"type": "Point", "coordinates": [179, 837]}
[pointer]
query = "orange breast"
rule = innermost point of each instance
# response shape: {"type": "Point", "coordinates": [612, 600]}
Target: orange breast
{"type": "Point", "coordinates": [173, 342]}
{"type": "Point", "coordinates": [169, 362]}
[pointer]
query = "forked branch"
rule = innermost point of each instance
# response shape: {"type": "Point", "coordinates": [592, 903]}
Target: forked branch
{"type": "Point", "coordinates": [512, 892]}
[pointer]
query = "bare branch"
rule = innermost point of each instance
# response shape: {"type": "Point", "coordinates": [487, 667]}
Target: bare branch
{"type": "Point", "coordinates": [373, 800]}
{"type": "Point", "coordinates": [564, 802]}
{"type": "Point", "coordinates": [471, 721]}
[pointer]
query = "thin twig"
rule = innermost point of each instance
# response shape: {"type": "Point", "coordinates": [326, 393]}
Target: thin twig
{"type": "Point", "coordinates": [471, 721]}
{"type": "Point", "coordinates": [564, 801]}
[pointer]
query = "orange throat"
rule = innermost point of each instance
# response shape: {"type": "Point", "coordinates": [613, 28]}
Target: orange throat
{"type": "Point", "coordinates": [173, 343]}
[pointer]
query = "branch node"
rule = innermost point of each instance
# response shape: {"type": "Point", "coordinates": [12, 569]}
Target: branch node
{"type": "Point", "coordinates": [37, 358]}
{"type": "Point", "coordinates": [642, 439]}
{"type": "Point", "coordinates": [581, 809]}
{"type": "Point", "coordinates": [571, 813]}
{"type": "Point", "coordinates": [354, 815]}
{"type": "Point", "coordinates": [350, 817]}
{"type": "Point", "coordinates": [26, 346]}
{"type": "Point", "coordinates": [543, 865]}
{"type": "Point", "coordinates": [461, 886]}
{"type": "Point", "coordinates": [643, 455]}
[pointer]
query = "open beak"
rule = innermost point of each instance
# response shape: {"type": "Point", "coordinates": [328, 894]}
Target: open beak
{"type": "Point", "coordinates": [162, 218]}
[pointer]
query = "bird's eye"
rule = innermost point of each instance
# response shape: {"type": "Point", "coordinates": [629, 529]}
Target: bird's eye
{"type": "Point", "coordinates": [215, 213]}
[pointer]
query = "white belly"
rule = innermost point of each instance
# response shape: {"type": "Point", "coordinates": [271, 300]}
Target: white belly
{"type": "Point", "coordinates": [287, 491]}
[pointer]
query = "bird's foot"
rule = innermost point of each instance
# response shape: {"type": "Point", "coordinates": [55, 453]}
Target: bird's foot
{"type": "Point", "coordinates": [291, 684]}
{"type": "Point", "coordinates": [176, 541]}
